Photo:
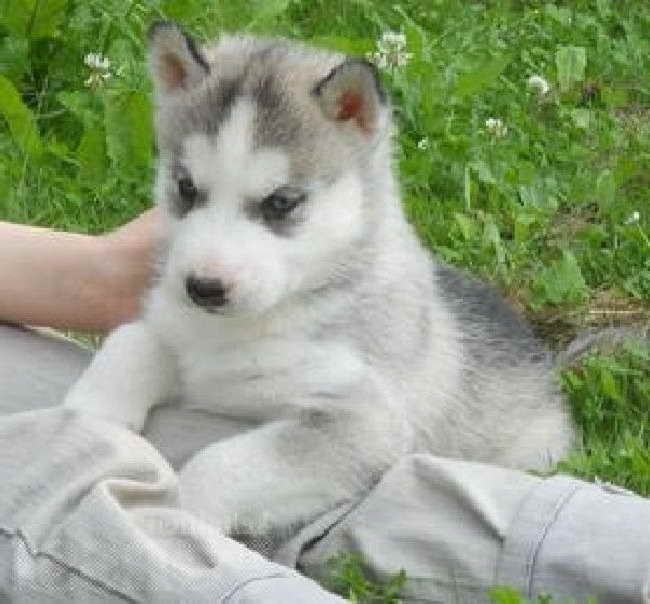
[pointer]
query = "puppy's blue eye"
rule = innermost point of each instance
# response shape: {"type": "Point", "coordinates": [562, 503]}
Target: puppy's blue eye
{"type": "Point", "coordinates": [280, 204]}
{"type": "Point", "coordinates": [187, 190]}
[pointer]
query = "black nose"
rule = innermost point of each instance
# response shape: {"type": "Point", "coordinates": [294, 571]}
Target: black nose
{"type": "Point", "coordinates": [209, 293]}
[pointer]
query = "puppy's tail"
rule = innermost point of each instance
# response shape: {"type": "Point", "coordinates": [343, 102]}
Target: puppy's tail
{"type": "Point", "coordinates": [606, 340]}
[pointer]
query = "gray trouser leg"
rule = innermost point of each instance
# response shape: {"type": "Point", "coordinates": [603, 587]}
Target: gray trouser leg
{"type": "Point", "coordinates": [89, 513]}
{"type": "Point", "coordinates": [36, 371]}
{"type": "Point", "coordinates": [456, 528]}
{"type": "Point", "coordinates": [459, 528]}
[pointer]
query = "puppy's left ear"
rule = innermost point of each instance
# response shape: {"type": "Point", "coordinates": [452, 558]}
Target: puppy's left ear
{"type": "Point", "coordinates": [175, 61]}
{"type": "Point", "coordinates": [352, 93]}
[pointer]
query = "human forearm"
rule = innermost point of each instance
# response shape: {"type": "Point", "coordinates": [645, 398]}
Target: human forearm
{"type": "Point", "coordinates": [74, 281]}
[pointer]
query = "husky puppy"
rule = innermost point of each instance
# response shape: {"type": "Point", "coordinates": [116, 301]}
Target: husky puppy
{"type": "Point", "coordinates": [294, 293]}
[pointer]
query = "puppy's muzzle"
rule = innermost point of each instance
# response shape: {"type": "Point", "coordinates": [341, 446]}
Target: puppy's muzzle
{"type": "Point", "coordinates": [207, 293]}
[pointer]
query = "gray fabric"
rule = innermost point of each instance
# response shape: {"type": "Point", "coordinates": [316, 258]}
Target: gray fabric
{"type": "Point", "coordinates": [576, 540]}
{"type": "Point", "coordinates": [459, 528]}
{"type": "Point", "coordinates": [90, 514]}
{"type": "Point", "coordinates": [443, 521]}
{"type": "Point", "coordinates": [36, 372]}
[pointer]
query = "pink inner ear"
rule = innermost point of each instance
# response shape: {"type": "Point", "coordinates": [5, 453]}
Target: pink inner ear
{"type": "Point", "coordinates": [172, 73]}
{"type": "Point", "coordinates": [351, 106]}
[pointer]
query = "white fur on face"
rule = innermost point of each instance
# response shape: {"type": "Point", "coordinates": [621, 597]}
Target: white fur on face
{"type": "Point", "coordinates": [218, 240]}
{"type": "Point", "coordinates": [334, 221]}
{"type": "Point", "coordinates": [228, 167]}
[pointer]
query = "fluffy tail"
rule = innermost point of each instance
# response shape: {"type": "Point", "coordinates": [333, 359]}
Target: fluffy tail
{"type": "Point", "coordinates": [601, 340]}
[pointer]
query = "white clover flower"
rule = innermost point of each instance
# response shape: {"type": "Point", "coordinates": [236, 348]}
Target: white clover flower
{"type": "Point", "coordinates": [391, 51]}
{"type": "Point", "coordinates": [395, 39]}
{"type": "Point", "coordinates": [495, 125]}
{"type": "Point", "coordinates": [633, 218]}
{"type": "Point", "coordinates": [99, 69]}
{"type": "Point", "coordinates": [377, 59]}
{"type": "Point", "coordinates": [96, 79]}
{"type": "Point", "coordinates": [538, 84]}
{"type": "Point", "coordinates": [423, 144]}
{"type": "Point", "coordinates": [97, 62]}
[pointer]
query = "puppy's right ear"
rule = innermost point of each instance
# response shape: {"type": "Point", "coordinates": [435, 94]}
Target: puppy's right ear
{"type": "Point", "coordinates": [351, 93]}
{"type": "Point", "coordinates": [175, 61]}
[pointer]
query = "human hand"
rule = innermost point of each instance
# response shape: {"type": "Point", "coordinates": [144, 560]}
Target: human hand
{"type": "Point", "coordinates": [129, 264]}
{"type": "Point", "coordinates": [73, 281]}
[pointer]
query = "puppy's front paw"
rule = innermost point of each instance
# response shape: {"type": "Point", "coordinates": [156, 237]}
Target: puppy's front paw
{"type": "Point", "coordinates": [131, 416]}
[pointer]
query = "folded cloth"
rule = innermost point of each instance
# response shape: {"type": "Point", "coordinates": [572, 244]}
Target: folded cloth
{"type": "Point", "coordinates": [89, 512]}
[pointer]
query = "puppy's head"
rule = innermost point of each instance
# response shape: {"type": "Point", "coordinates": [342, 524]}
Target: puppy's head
{"type": "Point", "coordinates": [267, 154]}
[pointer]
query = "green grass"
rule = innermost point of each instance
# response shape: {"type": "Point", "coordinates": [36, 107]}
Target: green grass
{"type": "Point", "coordinates": [545, 206]}
{"type": "Point", "coordinates": [350, 580]}
{"type": "Point", "coordinates": [610, 396]}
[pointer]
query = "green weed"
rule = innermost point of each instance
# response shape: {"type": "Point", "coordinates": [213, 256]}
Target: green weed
{"type": "Point", "coordinates": [349, 578]}
{"type": "Point", "coordinates": [609, 396]}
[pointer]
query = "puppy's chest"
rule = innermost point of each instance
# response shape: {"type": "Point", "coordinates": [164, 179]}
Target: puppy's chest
{"type": "Point", "coordinates": [267, 378]}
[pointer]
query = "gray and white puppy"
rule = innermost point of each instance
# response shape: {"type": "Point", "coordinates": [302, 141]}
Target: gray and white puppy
{"type": "Point", "coordinates": [294, 293]}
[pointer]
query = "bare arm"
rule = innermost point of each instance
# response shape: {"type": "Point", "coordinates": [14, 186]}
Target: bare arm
{"type": "Point", "coordinates": [73, 281]}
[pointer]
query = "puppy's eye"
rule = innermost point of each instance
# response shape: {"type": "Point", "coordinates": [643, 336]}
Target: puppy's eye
{"type": "Point", "coordinates": [280, 204]}
{"type": "Point", "coordinates": [187, 190]}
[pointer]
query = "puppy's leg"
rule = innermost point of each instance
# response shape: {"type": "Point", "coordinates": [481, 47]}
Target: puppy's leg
{"type": "Point", "coordinates": [289, 471]}
{"type": "Point", "coordinates": [130, 374]}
